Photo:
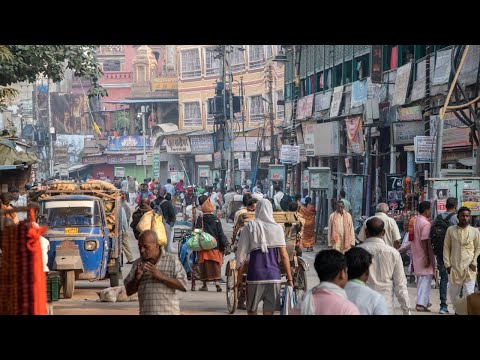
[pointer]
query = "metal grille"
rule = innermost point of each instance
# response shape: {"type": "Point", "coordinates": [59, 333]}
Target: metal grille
{"type": "Point", "coordinates": [348, 52]}
{"type": "Point", "coordinates": [329, 50]}
{"type": "Point", "coordinates": [319, 57]}
{"type": "Point", "coordinates": [338, 54]}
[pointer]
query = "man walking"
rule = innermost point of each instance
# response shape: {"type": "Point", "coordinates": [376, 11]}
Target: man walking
{"type": "Point", "coordinates": [437, 236]}
{"type": "Point", "coordinates": [170, 188]}
{"type": "Point", "coordinates": [329, 297]}
{"type": "Point", "coordinates": [392, 233]}
{"type": "Point", "coordinates": [422, 256]}
{"type": "Point", "coordinates": [460, 253]}
{"type": "Point", "coordinates": [386, 274]}
{"type": "Point", "coordinates": [156, 276]}
{"type": "Point", "coordinates": [341, 235]}
{"type": "Point", "coordinates": [367, 300]}
{"type": "Point", "coordinates": [131, 191]}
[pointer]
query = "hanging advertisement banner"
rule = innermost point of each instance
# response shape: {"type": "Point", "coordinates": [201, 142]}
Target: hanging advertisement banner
{"type": "Point", "coordinates": [290, 154]}
{"type": "Point", "coordinates": [355, 134]}
{"type": "Point", "coordinates": [308, 106]}
{"type": "Point", "coordinates": [359, 93]}
{"type": "Point", "coordinates": [176, 176]}
{"type": "Point", "coordinates": [245, 164]}
{"type": "Point", "coordinates": [308, 128]}
{"type": "Point", "coordinates": [322, 101]}
{"type": "Point", "coordinates": [424, 147]}
{"type": "Point", "coordinates": [301, 108]}
{"type": "Point", "coordinates": [336, 101]}
{"type": "Point", "coordinates": [401, 84]}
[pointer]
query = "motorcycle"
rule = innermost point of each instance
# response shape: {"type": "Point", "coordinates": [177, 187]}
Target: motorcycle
{"type": "Point", "coordinates": [359, 223]}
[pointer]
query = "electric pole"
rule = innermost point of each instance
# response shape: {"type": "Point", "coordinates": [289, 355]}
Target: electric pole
{"type": "Point", "coordinates": [270, 114]}
{"type": "Point", "coordinates": [230, 98]}
{"type": "Point", "coordinates": [50, 132]}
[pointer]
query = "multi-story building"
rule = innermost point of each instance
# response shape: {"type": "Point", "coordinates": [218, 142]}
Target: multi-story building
{"type": "Point", "coordinates": [200, 69]}
{"type": "Point", "coordinates": [360, 108]}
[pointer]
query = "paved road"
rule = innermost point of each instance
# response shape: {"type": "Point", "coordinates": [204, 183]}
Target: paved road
{"type": "Point", "coordinates": [84, 300]}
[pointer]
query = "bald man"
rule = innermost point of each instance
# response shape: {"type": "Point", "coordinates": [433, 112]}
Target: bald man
{"type": "Point", "coordinates": [392, 233]}
{"type": "Point", "coordinates": [387, 275]}
{"type": "Point", "coordinates": [156, 276]}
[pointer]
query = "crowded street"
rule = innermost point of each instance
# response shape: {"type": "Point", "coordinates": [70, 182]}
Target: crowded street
{"type": "Point", "coordinates": [85, 300]}
{"type": "Point", "coordinates": [239, 179]}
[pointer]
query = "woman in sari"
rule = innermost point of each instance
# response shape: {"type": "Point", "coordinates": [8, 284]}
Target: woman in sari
{"type": "Point", "coordinates": [210, 261]}
{"type": "Point", "coordinates": [308, 213]}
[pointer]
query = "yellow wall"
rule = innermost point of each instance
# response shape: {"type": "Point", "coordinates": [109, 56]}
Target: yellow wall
{"type": "Point", "coordinates": [201, 88]}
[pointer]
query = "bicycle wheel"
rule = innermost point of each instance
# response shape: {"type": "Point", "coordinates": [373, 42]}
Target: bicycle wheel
{"type": "Point", "coordinates": [300, 283]}
{"type": "Point", "coordinates": [231, 289]}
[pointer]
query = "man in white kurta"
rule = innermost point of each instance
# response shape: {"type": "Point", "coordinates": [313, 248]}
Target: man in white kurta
{"type": "Point", "coordinates": [341, 234]}
{"type": "Point", "coordinates": [392, 233]}
{"type": "Point", "coordinates": [460, 252]}
{"type": "Point", "coordinates": [386, 274]}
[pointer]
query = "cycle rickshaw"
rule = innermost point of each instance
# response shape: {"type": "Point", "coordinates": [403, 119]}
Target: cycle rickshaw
{"type": "Point", "coordinates": [236, 278]}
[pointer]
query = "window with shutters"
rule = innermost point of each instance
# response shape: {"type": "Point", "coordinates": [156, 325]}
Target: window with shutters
{"type": "Point", "coordinates": [256, 108]}
{"type": "Point", "coordinates": [191, 67]}
{"type": "Point", "coordinates": [256, 56]}
{"type": "Point", "coordinates": [212, 62]}
{"type": "Point", "coordinates": [192, 114]}
{"type": "Point", "coordinates": [238, 58]}
{"type": "Point", "coordinates": [269, 51]}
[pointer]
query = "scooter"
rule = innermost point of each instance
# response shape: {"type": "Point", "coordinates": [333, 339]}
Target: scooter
{"type": "Point", "coordinates": [359, 221]}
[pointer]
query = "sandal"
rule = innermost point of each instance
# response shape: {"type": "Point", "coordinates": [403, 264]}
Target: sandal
{"type": "Point", "coordinates": [421, 308]}
{"type": "Point", "coordinates": [219, 289]}
{"type": "Point", "coordinates": [203, 288]}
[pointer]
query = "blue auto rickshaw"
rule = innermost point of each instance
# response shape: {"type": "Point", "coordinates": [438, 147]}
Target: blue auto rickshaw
{"type": "Point", "coordinates": [84, 243]}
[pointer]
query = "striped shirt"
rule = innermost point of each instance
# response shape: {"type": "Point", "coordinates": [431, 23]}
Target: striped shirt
{"type": "Point", "coordinates": [155, 297]}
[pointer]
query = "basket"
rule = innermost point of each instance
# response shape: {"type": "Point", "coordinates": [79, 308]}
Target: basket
{"type": "Point", "coordinates": [53, 286]}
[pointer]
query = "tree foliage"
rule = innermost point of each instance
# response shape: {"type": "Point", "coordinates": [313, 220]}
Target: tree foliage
{"type": "Point", "coordinates": [28, 61]}
{"type": "Point", "coordinates": [6, 92]}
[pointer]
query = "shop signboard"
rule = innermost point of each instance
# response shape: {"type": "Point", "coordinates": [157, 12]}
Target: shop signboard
{"type": "Point", "coordinates": [394, 191]}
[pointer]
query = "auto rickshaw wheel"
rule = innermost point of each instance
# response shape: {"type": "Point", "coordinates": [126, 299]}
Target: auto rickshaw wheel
{"type": "Point", "coordinates": [68, 283]}
{"type": "Point", "coordinates": [231, 290]}
{"type": "Point", "coordinates": [115, 274]}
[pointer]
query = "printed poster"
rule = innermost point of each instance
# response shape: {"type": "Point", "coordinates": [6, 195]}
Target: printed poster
{"type": "Point", "coordinates": [355, 134]}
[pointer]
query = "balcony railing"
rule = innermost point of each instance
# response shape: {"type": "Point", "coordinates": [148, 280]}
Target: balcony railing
{"type": "Point", "coordinates": [117, 77]}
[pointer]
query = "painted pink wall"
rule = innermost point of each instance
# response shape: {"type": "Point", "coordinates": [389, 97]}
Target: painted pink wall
{"type": "Point", "coordinates": [113, 95]}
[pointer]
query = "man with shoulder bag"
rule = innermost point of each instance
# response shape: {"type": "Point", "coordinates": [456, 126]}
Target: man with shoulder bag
{"type": "Point", "coordinates": [437, 235]}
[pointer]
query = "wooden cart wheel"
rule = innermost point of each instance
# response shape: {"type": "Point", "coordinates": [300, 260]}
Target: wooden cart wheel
{"type": "Point", "coordinates": [232, 290]}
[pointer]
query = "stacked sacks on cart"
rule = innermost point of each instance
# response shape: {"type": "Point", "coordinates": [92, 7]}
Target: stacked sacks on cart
{"type": "Point", "coordinates": [110, 205]}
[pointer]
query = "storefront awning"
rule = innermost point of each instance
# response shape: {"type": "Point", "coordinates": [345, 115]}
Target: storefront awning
{"type": "Point", "coordinates": [468, 161]}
